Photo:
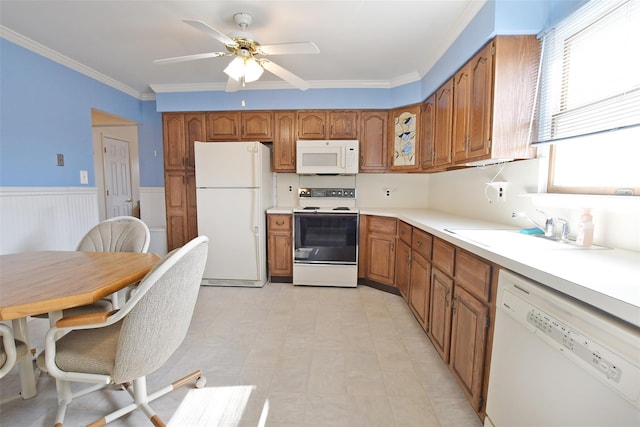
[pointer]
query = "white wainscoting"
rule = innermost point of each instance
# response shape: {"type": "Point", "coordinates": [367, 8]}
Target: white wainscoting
{"type": "Point", "coordinates": [152, 207]}
{"type": "Point", "coordinates": [45, 218]}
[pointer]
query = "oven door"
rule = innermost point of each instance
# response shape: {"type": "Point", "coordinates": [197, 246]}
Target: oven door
{"type": "Point", "coordinates": [325, 238]}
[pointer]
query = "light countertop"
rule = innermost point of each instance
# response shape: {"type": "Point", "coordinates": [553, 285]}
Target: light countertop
{"type": "Point", "coordinates": [608, 279]}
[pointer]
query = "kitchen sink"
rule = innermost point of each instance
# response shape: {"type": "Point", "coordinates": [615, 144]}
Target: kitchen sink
{"type": "Point", "coordinates": [507, 238]}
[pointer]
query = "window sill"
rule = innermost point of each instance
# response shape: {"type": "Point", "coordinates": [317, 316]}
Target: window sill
{"type": "Point", "coordinates": [622, 204]}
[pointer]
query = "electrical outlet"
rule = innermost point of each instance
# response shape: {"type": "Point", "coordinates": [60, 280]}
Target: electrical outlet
{"type": "Point", "coordinates": [290, 188]}
{"type": "Point", "coordinates": [387, 192]}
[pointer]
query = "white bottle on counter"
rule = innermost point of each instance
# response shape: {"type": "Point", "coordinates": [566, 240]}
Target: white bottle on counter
{"type": "Point", "coordinates": [584, 231]}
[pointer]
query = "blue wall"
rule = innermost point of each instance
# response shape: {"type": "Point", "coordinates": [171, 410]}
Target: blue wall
{"type": "Point", "coordinates": [45, 108]}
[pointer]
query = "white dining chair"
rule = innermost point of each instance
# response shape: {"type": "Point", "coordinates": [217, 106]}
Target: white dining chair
{"type": "Point", "coordinates": [123, 347]}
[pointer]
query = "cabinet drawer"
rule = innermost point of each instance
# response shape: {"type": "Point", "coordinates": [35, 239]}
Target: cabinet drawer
{"type": "Point", "coordinates": [404, 232]}
{"type": "Point", "coordinates": [443, 256]}
{"type": "Point", "coordinates": [277, 222]}
{"type": "Point", "coordinates": [421, 243]}
{"type": "Point", "coordinates": [381, 224]}
{"type": "Point", "coordinates": [474, 274]}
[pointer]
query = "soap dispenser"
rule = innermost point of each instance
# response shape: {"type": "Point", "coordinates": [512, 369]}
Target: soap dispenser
{"type": "Point", "coordinates": [584, 231]}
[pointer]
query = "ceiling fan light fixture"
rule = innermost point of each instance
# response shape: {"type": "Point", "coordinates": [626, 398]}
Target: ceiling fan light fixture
{"type": "Point", "coordinates": [241, 67]}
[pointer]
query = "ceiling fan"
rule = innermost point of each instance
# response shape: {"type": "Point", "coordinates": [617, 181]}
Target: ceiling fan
{"type": "Point", "coordinates": [249, 60]}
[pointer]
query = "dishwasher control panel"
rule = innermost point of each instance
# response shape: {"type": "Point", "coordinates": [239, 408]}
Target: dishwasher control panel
{"type": "Point", "coordinates": [597, 343]}
{"type": "Point", "coordinates": [581, 346]}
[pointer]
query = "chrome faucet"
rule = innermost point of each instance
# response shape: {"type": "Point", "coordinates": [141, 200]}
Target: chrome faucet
{"type": "Point", "coordinates": [549, 225]}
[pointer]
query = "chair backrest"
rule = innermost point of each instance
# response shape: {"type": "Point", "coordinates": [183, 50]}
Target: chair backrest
{"type": "Point", "coordinates": [160, 312]}
{"type": "Point", "coordinates": [117, 234]}
{"type": "Point", "coordinates": [8, 353]}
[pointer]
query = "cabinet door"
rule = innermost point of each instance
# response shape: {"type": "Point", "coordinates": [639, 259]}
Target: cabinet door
{"type": "Point", "coordinates": [419, 289]}
{"type": "Point", "coordinates": [404, 138]}
{"type": "Point", "coordinates": [427, 132]}
{"type": "Point", "coordinates": [343, 125]}
{"type": "Point", "coordinates": [280, 255]}
{"type": "Point", "coordinates": [195, 130]}
{"type": "Point", "coordinates": [480, 103]}
{"type": "Point", "coordinates": [176, 209]}
{"type": "Point", "coordinates": [461, 106]}
{"type": "Point", "coordinates": [443, 123]}
{"type": "Point", "coordinates": [311, 124]}
{"type": "Point", "coordinates": [382, 258]}
{"type": "Point", "coordinates": [257, 125]}
{"type": "Point", "coordinates": [173, 135]}
{"type": "Point", "coordinates": [223, 126]}
{"type": "Point", "coordinates": [284, 141]}
{"type": "Point", "coordinates": [403, 269]}
{"type": "Point", "coordinates": [440, 312]}
{"type": "Point", "coordinates": [373, 141]}
{"type": "Point", "coordinates": [468, 344]}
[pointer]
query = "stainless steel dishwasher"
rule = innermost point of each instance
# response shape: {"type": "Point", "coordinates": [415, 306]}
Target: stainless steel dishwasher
{"type": "Point", "coordinates": [559, 362]}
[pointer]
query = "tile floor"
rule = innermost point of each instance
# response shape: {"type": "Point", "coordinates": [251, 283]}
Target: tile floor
{"type": "Point", "coordinates": [321, 357]}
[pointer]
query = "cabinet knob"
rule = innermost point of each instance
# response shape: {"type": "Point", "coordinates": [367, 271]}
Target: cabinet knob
{"type": "Point", "coordinates": [419, 242]}
{"type": "Point", "coordinates": [280, 222]}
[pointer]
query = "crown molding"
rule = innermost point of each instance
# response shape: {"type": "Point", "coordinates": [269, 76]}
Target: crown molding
{"type": "Point", "coordinates": [55, 56]}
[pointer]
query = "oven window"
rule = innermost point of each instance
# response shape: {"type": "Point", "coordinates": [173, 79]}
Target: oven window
{"type": "Point", "coordinates": [326, 238]}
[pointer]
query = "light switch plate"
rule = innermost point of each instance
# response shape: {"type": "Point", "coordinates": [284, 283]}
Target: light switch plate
{"type": "Point", "coordinates": [60, 159]}
{"type": "Point", "coordinates": [84, 177]}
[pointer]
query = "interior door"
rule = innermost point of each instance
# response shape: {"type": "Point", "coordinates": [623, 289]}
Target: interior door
{"type": "Point", "coordinates": [117, 177]}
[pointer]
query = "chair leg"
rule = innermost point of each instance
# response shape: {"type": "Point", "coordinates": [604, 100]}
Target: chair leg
{"type": "Point", "coordinates": [138, 392]}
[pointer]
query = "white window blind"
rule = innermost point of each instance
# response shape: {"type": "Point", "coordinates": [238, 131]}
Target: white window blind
{"type": "Point", "coordinates": [590, 75]}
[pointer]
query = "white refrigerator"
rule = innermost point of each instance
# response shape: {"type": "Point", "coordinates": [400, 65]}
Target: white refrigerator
{"type": "Point", "coordinates": [233, 190]}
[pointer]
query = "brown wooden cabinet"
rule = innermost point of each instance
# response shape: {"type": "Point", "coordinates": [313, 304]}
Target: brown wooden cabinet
{"type": "Point", "coordinates": [180, 131]}
{"type": "Point", "coordinates": [427, 132]}
{"type": "Point", "coordinates": [469, 328]}
{"type": "Point", "coordinates": [373, 141]}
{"type": "Point", "coordinates": [279, 249]}
{"type": "Point", "coordinates": [493, 101]}
{"type": "Point", "coordinates": [311, 124]}
{"type": "Point", "coordinates": [440, 312]}
{"type": "Point", "coordinates": [256, 125]}
{"type": "Point", "coordinates": [381, 249]}
{"type": "Point", "coordinates": [343, 124]}
{"type": "Point", "coordinates": [420, 284]}
{"type": "Point", "coordinates": [404, 135]}
{"type": "Point", "coordinates": [223, 126]}
{"type": "Point", "coordinates": [442, 125]}
{"type": "Point", "coordinates": [284, 141]}
{"type": "Point", "coordinates": [403, 259]}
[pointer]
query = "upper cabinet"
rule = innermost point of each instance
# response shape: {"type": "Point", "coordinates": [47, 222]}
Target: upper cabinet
{"type": "Point", "coordinates": [327, 124]}
{"type": "Point", "coordinates": [427, 132]}
{"type": "Point", "coordinates": [223, 126]}
{"type": "Point", "coordinates": [403, 139]}
{"type": "Point", "coordinates": [493, 101]}
{"type": "Point", "coordinates": [343, 124]}
{"type": "Point", "coordinates": [284, 141]}
{"type": "Point", "coordinates": [442, 126]}
{"type": "Point", "coordinates": [236, 125]}
{"type": "Point", "coordinates": [311, 124]}
{"type": "Point", "coordinates": [256, 125]}
{"type": "Point", "coordinates": [373, 141]}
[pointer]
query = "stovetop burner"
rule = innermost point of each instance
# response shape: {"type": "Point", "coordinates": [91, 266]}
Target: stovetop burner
{"type": "Point", "coordinates": [342, 208]}
{"type": "Point", "coordinates": [311, 208]}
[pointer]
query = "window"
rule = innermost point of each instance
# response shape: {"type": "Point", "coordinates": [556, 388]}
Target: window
{"type": "Point", "coordinates": [590, 100]}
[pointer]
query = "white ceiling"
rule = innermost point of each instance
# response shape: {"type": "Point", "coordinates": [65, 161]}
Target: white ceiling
{"type": "Point", "coordinates": [363, 43]}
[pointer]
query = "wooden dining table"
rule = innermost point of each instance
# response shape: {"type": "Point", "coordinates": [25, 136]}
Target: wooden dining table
{"type": "Point", "coordinates": [34, 283]}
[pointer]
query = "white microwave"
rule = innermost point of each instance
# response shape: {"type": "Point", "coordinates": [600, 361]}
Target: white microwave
{"type": "Point", "coordinates": [327, 157]}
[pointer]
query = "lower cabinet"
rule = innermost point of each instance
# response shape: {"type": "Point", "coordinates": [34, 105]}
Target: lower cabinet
{"type": "Point", "coordinates": [449, 290]}
{"type": "Point", "coordinates": [279, 246]}
{"type": "Point", "coordinates": [381, 249]}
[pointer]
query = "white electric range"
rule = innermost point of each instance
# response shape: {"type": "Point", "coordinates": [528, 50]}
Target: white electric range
{"type": "Point", "coordinates": [325, 235]}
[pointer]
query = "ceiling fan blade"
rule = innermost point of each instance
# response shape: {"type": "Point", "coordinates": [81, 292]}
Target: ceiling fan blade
{"type": "Point", "coordinates": [284, 74]}
{"type": "Point", "coordinates": [296, 48]}
{"type": "Point", "coordinates": [233, 85]}
{"type": "Point", "coordinates": [212, 32]}
{"type": "Point", "coordinates": [189, 57]}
